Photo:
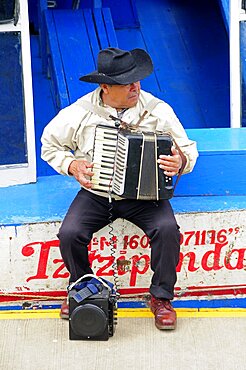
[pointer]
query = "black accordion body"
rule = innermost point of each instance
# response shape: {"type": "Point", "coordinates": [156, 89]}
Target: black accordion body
{"type": "Point", "coordinates": [125, 163]}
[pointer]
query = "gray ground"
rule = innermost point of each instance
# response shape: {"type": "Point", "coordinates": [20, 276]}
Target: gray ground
{"type": "Point", "coordinates": [197, 343]}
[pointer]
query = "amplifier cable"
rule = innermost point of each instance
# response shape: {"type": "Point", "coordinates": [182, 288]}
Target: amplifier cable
{"type": "Point", "coordinates": [112, 245]}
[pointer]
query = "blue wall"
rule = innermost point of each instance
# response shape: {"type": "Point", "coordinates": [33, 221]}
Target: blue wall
{"type": "Point", "coordinates": [189, 45]}
{"type": "Point", "coordinates": [225, 11]}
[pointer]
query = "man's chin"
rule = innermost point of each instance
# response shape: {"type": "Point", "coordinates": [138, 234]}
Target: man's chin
{"type": "Point", "coordinates": [133, 101]}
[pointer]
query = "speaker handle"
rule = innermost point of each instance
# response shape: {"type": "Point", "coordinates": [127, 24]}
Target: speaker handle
{"type": "Point", "coordinates": [92, 276]}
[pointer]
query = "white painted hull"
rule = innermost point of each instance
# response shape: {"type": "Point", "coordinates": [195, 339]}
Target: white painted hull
{"type": "Point", "coordinates": [212, 260]}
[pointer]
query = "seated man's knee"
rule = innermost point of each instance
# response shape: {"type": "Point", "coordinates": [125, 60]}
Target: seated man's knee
{"type": "Point", "coordinates": [168, 227]}
{"type": "Point", "coordinates": [70, 235]}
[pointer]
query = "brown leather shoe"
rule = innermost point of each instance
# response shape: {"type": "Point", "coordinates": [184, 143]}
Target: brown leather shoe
{"type": "Point", "coordinates": [64, 313]}
{"type": "Point", "coordinates": [165, 316]}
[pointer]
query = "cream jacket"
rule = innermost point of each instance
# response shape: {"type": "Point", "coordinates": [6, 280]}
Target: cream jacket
{"type": "Point", "coordinates": [70, 135]}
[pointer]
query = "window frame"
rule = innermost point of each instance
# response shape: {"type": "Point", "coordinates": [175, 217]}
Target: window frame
{"type": "Point", "coordinates": [23, 173]}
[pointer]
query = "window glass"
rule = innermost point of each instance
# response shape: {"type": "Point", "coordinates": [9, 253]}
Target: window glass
{"type": "Point", "coordinates": [12, 113]}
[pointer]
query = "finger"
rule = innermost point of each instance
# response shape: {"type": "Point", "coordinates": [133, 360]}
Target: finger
{"type": "Point", "coordinates": [88, 165]}
{"type": "Point", "coordinates": [84, 170]}
{"type": "Point", "coordinates": [89, 173]}
{"type": "Point", "coordinates": [174, 151]}
{"type": "Point", "coordinates": [85, 182]}
{"type": "Point", "coordinates": [83, 165]}
{"type": "Point", "coordinates": [169, 165]}
{"type": "Point", "coordinates": [170, 173]}
{"type": "Point", "coordinates": [168, 159]}
{"type": "Point", "coordinates": [163, 156]}
{"type": "Point", "coordinates": [171, 169]}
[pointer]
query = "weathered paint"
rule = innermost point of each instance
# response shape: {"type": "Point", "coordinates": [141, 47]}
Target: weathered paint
{"type": "Point", "coordinates": [212, 260]}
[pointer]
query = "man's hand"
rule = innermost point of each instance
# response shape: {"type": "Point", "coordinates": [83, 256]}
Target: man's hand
{"type": "Point", "coordinates": [170, 163]}
{"type": "Point", "coordinates": [80, 169]}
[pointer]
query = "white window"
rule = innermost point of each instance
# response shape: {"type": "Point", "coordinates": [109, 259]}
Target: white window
{"type": "Point", "coordinates": [17, 138]}
{"type": "Point", "coordinates": [237, 62]}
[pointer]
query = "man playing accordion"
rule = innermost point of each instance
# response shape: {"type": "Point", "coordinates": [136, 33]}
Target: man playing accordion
{"type": "Point", "coordinates": [67, 145]}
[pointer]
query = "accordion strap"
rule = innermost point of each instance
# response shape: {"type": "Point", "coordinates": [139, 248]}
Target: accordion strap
{"type": "Point", "coordinates": [184, 161]}
{"type": "Point", "coordinates": [102, 112]}
{"type": "Point", "coordinates": [147, 110]}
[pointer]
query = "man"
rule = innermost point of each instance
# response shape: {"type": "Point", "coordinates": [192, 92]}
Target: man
{"type": "Point", "coordinates": [67, 146]}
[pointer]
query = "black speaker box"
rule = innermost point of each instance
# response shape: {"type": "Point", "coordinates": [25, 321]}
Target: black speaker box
{"type": "Point", "coordinates": [94, 318]}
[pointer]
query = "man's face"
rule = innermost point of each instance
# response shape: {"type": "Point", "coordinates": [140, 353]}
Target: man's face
{"type": "Point", "coordinates": [121, 96]}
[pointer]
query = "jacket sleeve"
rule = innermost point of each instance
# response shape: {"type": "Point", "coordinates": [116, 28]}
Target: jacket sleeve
{"type": "Point", "coordinates": [58, 139]}
{"type": "Point", "coordinates": [168, 122]}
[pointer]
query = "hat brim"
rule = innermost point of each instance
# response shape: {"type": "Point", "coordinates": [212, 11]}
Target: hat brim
{"type": "Point", "coordinates": [142, 69]}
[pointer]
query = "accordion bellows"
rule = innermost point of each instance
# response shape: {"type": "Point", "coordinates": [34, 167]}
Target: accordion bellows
{"type": "Point", "coordinates": [125, 163]}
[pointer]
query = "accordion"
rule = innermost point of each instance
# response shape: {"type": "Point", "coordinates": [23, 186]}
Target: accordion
{"type": "Point", "coordinates": [125, 163]}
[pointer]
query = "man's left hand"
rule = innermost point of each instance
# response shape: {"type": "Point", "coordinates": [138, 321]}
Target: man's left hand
{"type": "Point", "coordinates": [170, 164]}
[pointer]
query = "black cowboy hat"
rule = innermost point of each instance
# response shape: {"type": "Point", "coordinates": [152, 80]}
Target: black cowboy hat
{"type": "Point", "coordinates": [120, 67]}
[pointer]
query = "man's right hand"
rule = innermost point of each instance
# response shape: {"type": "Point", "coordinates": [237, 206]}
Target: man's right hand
{"type": "Point", "coordinates": [80, 169]}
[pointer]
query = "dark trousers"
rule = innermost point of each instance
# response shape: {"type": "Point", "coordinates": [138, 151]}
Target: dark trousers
{"type": "Point", "coordinates": [89, 213]}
